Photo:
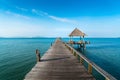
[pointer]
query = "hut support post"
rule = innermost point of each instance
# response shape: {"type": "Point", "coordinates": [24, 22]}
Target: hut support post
{"type": "Point", "coordinates": [70, 38]}
{"type": "Point", "coordinates": [84, 46]}
{"type": "Point", "coordinates": [80, 38]}
{"type": "Point", "coordinates": [38, 55]}
{"type": "Point", "coordinates": [78, 46]}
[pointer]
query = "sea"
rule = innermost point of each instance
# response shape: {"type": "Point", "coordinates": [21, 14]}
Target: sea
{"type": "Point", "coordinates": [17, 55]}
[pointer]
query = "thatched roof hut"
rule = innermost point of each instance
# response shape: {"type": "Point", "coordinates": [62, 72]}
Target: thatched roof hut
{"type": "Point", "coordinates": [77, 32]}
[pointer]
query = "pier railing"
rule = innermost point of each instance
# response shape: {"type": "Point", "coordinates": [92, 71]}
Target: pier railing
{"type": "Point", "coordinates": [91, 67]}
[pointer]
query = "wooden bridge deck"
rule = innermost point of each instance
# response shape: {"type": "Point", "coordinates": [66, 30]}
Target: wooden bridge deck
{"type": "Point", "coordinates": [58, 64]}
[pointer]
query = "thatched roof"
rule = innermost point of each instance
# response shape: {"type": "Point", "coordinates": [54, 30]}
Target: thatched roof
{"type": "Point", "coordinates": [77, 32]}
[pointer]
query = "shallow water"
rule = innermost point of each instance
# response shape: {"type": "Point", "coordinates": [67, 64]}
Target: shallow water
{"type": "Point", "coordinates": [17, 56]}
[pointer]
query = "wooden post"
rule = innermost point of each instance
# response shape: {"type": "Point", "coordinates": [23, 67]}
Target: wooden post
{"type": "Point", "coordinates": [78, 58]}
{"type": "Point", "coordinates": [107, 78]}
{"type": "Point", "coordinates": [38, 55]}
{"type": "Point", "coordinates": [81, 60]}
{"type": "Point", "coordinates": [89, 68]}
{"type": "Point", "coordinates": [80, 38]}
{"type": "Point", "coordinates": [72, 50]}
{"type": "Point", "coordinates": [70, 38]}
{"type": "Point", "coordinates": [74, 53]}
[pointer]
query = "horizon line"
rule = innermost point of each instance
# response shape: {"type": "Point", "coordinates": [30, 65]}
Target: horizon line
{"type": "Point", "coordinates": [57, 37]}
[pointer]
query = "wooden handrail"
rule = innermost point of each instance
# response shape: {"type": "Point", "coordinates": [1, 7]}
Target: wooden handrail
{"type": "Point", "coordinates": [91, 64]}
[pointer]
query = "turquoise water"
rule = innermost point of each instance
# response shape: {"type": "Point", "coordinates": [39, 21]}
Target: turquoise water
{"type": "Point", "coordinates": [105, 52]}
{"type": "Point", "coordinates": [17, 56]}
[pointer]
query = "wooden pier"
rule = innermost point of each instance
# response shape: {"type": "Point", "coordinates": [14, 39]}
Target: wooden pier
{"type": "Point", "coordinates": [58, 63]}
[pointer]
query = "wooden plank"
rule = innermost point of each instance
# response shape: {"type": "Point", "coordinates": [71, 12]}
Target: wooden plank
{"type": "Point", "coordinates": [58, 64]}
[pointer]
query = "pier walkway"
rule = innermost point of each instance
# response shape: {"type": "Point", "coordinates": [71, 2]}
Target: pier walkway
{"type": "Point", "coordinates": [58, 64]}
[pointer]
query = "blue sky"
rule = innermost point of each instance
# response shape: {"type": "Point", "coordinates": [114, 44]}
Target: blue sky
{"type": "Point", "coordinates": [53, 18]}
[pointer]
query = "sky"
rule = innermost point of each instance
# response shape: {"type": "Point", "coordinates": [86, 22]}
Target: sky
{"type": "Point", "coordinates": [58, 18]}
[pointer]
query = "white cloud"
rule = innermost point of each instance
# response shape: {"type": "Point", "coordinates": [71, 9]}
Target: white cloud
{"type": "Point", "coordinates": [62, 19]}
{"type": "Point", "coordinates": [22, 9]}
{"type": "Point", "coordinates": [17, 15]}
{"type": "Point", "coordinates": [34, 11]}
{"type": "Point", "coordinates": [41, 13]}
